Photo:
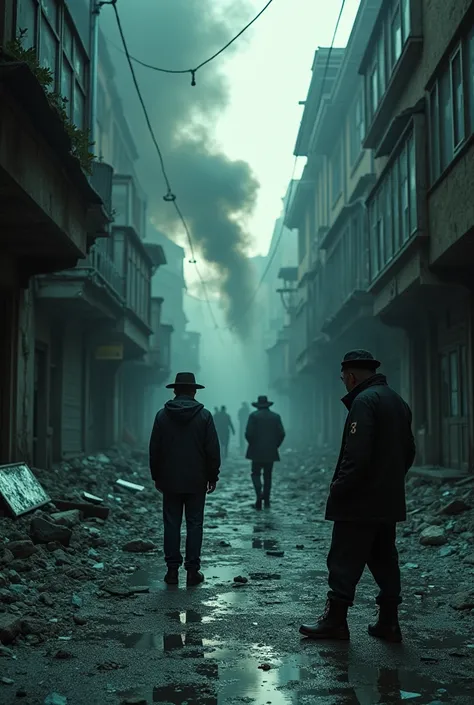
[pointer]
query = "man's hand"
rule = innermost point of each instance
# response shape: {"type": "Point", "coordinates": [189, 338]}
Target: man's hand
{"type": "Point", "coordinates": [211, 487]}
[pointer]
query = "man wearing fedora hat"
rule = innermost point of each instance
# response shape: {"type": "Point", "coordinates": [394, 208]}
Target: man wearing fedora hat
{"type": "Point", "coordinates": [264, 435]}
{"type": "Point", "coordinates": [184, 464]}
{"type": "Point", "coordinates": [367, 499]}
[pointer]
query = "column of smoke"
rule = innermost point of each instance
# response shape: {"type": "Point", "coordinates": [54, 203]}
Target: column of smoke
{"type": "Point", "coordinates": [215, 194]}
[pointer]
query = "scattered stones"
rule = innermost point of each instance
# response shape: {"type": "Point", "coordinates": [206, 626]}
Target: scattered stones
{"type": "Point", "coordinates": [21, 693]}
{"type": "Point", "coordinates": [80, 621]}
{"type": "Point", "coordinates": [55, 699]}
{"type": "Point", "coordinates": [6, 653]}
{"type": "Point", "coordinates": [240, 579]}
{"type": "Point", "coordinates": [139, 546]}
{"type": "Point", "coordinates": [265, 667]}
{"type": "Point", "coordinates": [110, 666]}
{"type": "Point", "coordinates": [69, 518]}
{"type": "Point", "coordinates": [433, 536]}
{"type": "Point", "coordinates": [6, 556]}
{"type": "Point", "coordinates": [225, 544]}
{"type": "Point", "coordinates": [10, 628]}
{"type": "Point", "coordinates": [46, 599]}
{"type": "Point", "coordinates": [6, 681]}
{"type": "Point", "coordinates": [463, 600]}
{"type": "Point", "coordinates": [118, 589]}
{"type": "Point", "coordinates": [135, 701]}
{"type": "Point", "coordinates": [300, 546]}
{"type": "Point", "coordinates": [33, 626]}
{"type": "Point", "coordinates": [276, 554]}
{"type": "Point", "coordinates": [63, 655]}
{"type": "Point", "coordinates": [455, 507]}
{"type": "Point", "coordinates": [76, 600]}
{"type": "Point", "coordinates": [22, 549]}
{"type": "Point", "coordinates": [44, 531]}
{"type": "Point", "coordinates": [446, 551]}
{"type": "Point", "coordinates": [265, 576]}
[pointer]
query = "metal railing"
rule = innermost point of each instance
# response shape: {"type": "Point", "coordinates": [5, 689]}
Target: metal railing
{"type": "Point", "coordinates": [100, 261]}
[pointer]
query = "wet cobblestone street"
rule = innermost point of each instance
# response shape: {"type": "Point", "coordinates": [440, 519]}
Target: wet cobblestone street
{"type": "Point", "coordinates": [226, 642]}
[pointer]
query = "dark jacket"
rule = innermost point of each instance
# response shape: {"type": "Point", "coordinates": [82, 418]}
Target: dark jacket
{"type": "Point", "coordinates": [377, 451]}
{"type": "Point", "coordinates": [184, 448]}
{"type": "Point", "coordinates": [264, 434]}
{"type": "Point", "coordinates": [224, 426]}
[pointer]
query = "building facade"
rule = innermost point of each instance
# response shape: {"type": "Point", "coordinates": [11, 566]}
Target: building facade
{"type": "Point", "coordinates": [385, 222]}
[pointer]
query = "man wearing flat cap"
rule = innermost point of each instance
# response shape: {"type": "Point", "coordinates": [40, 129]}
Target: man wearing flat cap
{"type": "Point", "coordinates": [367, 499]}
{"type": "Point", "coordinates": [184, 464]}
{"type": "Point", "coordinates": [264, 435]}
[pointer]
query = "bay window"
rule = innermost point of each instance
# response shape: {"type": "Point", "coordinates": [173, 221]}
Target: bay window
{"type": "Point", "coordinates": [393, 209]}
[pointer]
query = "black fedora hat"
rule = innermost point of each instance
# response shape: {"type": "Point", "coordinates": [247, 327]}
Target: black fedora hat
{"type": "Point", "coordinates": [185, 379]}
{"type": "Point", "coordinates": [262, 403]}
{"type": "Point", "coordinates": [360, 358]}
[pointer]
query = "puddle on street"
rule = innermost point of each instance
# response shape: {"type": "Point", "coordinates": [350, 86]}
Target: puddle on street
{"type": "Point", "coordinates": [231, 674]}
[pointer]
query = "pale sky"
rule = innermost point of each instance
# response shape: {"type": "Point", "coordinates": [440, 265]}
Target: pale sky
{"type": "Point", "coordinates": [267, 77]}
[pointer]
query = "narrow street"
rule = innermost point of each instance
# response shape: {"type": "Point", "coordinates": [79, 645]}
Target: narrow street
{"type": "Point", "coordinates": [98, 625]}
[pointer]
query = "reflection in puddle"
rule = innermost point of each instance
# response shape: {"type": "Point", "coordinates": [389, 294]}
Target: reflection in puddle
{"type": "Point", "coordinates": [227, 673]}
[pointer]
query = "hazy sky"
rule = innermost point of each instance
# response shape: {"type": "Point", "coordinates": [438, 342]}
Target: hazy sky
{"type": "Point", "coordinates": [268, 76]}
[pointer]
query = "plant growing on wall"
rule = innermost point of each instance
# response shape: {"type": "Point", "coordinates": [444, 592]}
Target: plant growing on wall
{"type": "Point", "coordinates": [80, 139]}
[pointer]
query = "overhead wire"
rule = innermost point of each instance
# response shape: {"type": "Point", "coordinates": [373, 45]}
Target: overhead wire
{"type": "Point", "coordinates": [169, 197]}
{"type": "Point", "coordinates": [194, 70]}
{"type": "Point", "coordinates": [272, 254]}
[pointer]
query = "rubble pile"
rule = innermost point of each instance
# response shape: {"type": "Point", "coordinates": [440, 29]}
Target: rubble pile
{"type": "Point", "coordinates": [81, 545]}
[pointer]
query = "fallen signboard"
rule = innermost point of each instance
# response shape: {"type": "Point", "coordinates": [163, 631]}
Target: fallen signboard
{"type": "Point", "coordinates": [20, 491]}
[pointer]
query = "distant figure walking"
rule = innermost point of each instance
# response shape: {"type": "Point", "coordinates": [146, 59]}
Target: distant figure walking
{"type": "Point", "coordinates": [264, 434]}
{"type": "Point", "coordinates": [184, 464]}
{"type": "Point", "coordinates": [244, 413]}
{"type": "Point", "coordinates": [224, 428]}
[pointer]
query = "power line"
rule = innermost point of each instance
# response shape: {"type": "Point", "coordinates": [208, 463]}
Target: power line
{"type": "Point", "coordinates": [169, 196]}
{"type": "Point", "coordinates": [211, 58]}
{"type": "Point", "coordinates": [288, 200]}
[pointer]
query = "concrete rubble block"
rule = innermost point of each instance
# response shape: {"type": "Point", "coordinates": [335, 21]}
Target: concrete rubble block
{"type": "Point", "coordinates": [10, 627]}
{"type": "Point", "coordinates": [87, 510]}
{"type": "Point", "coordinates": [455, 507]}
{"type": "Point", "coordinates": [6, 556]}
{"type": "Point", "coordinates": [433, 536]}
{"type": "Point", "coordinates": [55, 699]}
{"type": "Point", "coordinates": [22, 549]}
{"type": "Point", "coordinates": [463, 600]}
{"type": "Point", "coordinates": [139, 546]}
{"type": "Point", "coordinates": [130, 486]}
{"type": "Point", "coordinates": [69, 518]}
{"type": "Point", "coordinates": [44, 531]}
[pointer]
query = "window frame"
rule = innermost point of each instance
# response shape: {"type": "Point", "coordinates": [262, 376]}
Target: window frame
{"type": "Point", "coordinates": [336, 160]}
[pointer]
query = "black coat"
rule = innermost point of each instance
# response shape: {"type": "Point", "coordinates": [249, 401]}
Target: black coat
{"type": "Point", "coordinates": [184, 447]}
{"type": "Point", "coordinates": [377, 451]}
{"type": "Point", "coordinates": [264, 434]}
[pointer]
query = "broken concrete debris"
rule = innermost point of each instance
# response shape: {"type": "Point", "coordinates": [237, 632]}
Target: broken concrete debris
{"type": "Point", "coordinates": [139, 546]}
{"type": "Point", "coordinates": [130, 486]}
{"type": "Point", "coordinates": [44, 531]}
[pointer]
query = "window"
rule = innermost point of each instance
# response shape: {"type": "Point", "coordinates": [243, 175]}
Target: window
{"type": "Point", "coordinates": [458, 98]}
{"type": "Point", "coordinates": [395, 37]}
{"type": "Point", "coordinates": [374, 90]}
{"type": "Point", "coordinates": [120, 200]}
{"type": "Point", "coordinates": [51, 31]}
{"type": "Point", "coordinates": [406, 21]}
{"type": "Point", "coordinates": [454, 386]}
{"type": "Point", "coordinates": [451, 107]}
{"type": "Point", "coordinates": [357, 129]}
{"type": "Point", "coordinates": [393, 210]}
{"type": "Point", "coordinates": [381, 64]}
{"type": "Point", "coordinates": [336, 174]}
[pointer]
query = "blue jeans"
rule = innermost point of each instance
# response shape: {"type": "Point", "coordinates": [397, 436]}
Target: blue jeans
{"type": "Point", "coordinates": [173, 506]}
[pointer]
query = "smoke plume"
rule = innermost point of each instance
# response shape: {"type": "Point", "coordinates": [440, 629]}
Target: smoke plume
{"type": "Point", "coordinates": [215, 194]}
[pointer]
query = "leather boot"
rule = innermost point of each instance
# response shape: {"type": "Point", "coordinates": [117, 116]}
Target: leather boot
{"type": "Point", "coordinates": [195, 577]}
{"type": "Point", "coordinates": [387, 626]}
{"type": "Point", "coordinates": [331, 625]}
{"type": "Point", "coordinates": [172, 576]}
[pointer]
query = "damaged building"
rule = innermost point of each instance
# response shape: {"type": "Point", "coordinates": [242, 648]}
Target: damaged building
{"type": "Point", "coordinates": [384, 217]}
{"type": "Point", "coordinates": [83, 343]}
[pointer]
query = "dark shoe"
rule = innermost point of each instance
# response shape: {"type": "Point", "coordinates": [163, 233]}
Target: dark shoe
{"type": "Point", "coordinates": [195, 577]}
{"type": "Point", "coordinates": [331, 625]}
{"type": "Point", "coordinates": [172, 576]}
{"type": "Point", "coordinates": [258, 504]}
{"type": "Point", "coordinates": [387, 626]}
{"type": "Point", "coordinates": [267, 504]}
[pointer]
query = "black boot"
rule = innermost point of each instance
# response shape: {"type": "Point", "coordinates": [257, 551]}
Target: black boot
{"type": "Point", "coordinates": [267, 504]}
{"type": "Point", "coordinates": [195, 577]}
{"type": "Point", "coordinates": [172, 576]}
{"type": "Point", "coordinates": [331, 625]}
{"type": "Point", "coordinates": [387, 626]}
{"type": "Point", "coordinates": [258, 504]}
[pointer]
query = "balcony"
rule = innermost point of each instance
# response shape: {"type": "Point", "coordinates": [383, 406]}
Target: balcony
{"type": "Point", "coordinates": [278, 363]}
{"type": "Point", "coordinates": [95, 289]}
{"type": "Point", "coordinates": [45, 197]}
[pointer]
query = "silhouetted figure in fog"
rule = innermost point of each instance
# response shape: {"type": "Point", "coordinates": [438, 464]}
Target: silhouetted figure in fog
{"type": "Point", "coordinates": [367, 499]}
{"type": "Point", "coordinates": [244, 413]}
{"type": "Point", "coordinates": [264, 434]}
{"type": "Point", "coordinates": [224, 428]}
{"type": "Point", "coordinates": [184, 464]}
